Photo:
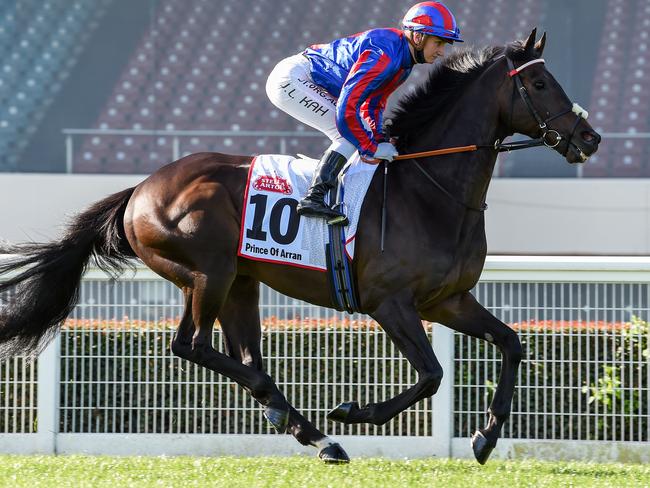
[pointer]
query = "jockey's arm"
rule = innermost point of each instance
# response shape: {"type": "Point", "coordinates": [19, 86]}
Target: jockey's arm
{"type": "Point", "coordinates": [361, 103]}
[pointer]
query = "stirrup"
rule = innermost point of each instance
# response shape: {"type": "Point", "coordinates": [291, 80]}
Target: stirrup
{"type": "Point", "coordinates": [342, 219]}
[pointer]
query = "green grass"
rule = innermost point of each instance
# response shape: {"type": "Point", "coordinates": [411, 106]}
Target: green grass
{"type": "Point", "coordinates": [298, 472]}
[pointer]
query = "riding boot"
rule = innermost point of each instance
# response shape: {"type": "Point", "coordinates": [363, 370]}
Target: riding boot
{"type": "Point", "coordinates": [325, 174]}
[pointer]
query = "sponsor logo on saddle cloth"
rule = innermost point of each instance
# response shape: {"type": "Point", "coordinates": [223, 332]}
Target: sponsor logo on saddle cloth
{"type": "Point", "coordinates": [271, 229]}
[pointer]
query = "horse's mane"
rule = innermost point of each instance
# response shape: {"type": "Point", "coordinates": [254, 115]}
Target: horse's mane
{"type": "Point", "coordinates": [447, 79]}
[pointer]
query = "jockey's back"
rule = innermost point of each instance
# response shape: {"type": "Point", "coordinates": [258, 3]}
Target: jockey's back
{"type": "Point", "coordinates": [331, 63]}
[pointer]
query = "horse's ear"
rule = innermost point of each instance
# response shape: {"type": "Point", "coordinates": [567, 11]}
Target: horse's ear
{"type": "Point", "coordinates": [539, 45]}
{"type": "Point", "coordinates": [530, 42]}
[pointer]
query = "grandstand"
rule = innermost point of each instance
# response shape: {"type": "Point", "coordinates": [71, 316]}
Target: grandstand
{"type": "Point", "coordinates": [224, 88]}
{"type": "Point", "coordinates": [621, 90]}
{"type": "Point", "coordinates": [39, 44]}
{"type": "Point", "coordinates": [202, 65]}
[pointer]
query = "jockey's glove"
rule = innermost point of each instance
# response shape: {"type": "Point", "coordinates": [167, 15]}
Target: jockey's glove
{"type": "Point", "coordinates": [385, 151]}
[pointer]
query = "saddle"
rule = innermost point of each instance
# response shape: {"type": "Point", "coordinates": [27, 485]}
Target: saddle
{"type": "Point", "coordinates": [272, 231]}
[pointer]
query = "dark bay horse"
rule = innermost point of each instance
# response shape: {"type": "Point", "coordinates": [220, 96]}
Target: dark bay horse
{"type": "Point", "coordinates": [183, 222]}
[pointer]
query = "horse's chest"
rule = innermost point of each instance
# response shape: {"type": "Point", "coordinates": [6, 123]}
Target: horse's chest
{"type": "Point", "coordinates": [464, 269]}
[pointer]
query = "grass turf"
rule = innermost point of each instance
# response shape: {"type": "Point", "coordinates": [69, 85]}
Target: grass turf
{"type": "Point", "coordinates": [118, 472]}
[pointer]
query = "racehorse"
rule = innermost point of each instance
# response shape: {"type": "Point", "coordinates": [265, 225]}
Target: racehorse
{"type": "Point", "coordinates": [183, 222]}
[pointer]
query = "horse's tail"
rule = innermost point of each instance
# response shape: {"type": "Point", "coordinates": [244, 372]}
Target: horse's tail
{"type": "Point", "coordinates": [44, 287]}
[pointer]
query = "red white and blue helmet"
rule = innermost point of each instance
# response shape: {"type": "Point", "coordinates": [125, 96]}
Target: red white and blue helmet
{"type": "Point", "coordinates": [433, 19]}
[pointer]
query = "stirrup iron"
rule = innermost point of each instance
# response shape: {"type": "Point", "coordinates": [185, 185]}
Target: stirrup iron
{"type": "Point", "coordinates": [341, 219]}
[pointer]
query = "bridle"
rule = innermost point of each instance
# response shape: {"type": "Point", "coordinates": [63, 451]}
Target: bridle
{"type": "Point", "coordinates": [550, 137]}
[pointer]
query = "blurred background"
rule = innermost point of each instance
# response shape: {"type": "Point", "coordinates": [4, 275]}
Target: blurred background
{"type": "Point", "coordinates": [105, 86]}
{"type": "Point", "coordinates": [98, 94]}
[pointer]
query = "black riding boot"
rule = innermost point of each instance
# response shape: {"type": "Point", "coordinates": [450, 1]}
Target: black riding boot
{"type": "Point", "coordinates": [325, 174]}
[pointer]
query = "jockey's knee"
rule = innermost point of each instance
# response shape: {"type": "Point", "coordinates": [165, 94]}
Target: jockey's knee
{"type": "Point", "coordinates": [343, 147]}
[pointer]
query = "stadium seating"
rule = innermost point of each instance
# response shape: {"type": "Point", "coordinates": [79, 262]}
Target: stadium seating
{"type": "Point", "coordinates": [38, 46]}
{"type": "Point", "coordinates": [203, 66]}
{"type": "Point", "coordinates": [621, 90]}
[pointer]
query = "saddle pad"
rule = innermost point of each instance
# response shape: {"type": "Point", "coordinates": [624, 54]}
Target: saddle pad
{"type": "Point", "coordinates": [272, 231]}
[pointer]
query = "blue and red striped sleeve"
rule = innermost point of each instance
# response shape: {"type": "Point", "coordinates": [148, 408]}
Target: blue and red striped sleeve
{"type": "Point", "coordinates": [365, 88]}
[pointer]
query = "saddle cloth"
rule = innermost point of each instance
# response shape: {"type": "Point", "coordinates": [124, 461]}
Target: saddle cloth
{"type": "Point", "coordinates": [272, 231]}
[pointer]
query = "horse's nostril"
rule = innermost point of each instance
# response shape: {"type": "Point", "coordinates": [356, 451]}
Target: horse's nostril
{"type": "Point", "coordinates": [590, 137]}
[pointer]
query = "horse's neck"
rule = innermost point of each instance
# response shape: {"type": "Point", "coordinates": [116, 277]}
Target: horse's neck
{"type": "Point", "coordinates": [474, 119]}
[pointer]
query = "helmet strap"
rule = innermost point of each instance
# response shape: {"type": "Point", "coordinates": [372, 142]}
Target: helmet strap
{"type": "Point", "coordinates": [418, 52]}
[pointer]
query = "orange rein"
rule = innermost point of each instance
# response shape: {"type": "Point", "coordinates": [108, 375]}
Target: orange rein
{"type": "Point", "coordinates": [437, 152]}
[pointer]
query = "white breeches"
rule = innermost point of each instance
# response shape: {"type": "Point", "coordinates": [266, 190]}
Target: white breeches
{"type": "Point", "coordinates": [291, 89]}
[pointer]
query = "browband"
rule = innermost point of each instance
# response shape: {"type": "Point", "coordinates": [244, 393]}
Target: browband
{"type": "Point", "coordinates": [524, 66]}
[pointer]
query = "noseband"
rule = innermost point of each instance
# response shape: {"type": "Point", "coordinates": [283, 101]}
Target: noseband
{"type": "Point", "coordinates": [550, 137]}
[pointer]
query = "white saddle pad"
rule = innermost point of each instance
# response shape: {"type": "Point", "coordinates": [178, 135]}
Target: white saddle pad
{"type": "Point", "coordinates": [271, 229]}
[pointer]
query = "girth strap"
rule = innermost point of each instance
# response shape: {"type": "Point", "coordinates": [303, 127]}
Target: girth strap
{"type": "Point", "coordinates": [339, 268]}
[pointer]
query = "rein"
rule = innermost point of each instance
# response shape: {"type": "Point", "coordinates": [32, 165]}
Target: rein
{"type": "Point", "coordinates": [497, 146]}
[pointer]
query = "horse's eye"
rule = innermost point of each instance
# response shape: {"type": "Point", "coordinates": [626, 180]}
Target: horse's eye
{"type": "Point", "coordinates": [540, 85]}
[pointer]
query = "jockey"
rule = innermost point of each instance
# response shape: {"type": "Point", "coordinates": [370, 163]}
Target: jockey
{"type": "Point", "coordinates": [341, 89]}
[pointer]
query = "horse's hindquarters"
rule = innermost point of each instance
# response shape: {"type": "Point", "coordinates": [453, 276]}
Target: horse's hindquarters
{"type": "Point", "coordinates": [184, 219]}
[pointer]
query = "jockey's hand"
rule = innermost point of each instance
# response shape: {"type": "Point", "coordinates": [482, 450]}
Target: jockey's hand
{"type": "Point", "coordinates": [385, 152]}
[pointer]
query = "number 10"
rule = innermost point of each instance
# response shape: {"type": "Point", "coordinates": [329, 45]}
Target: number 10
{"type": "Point", "coordinates": [260, 202]}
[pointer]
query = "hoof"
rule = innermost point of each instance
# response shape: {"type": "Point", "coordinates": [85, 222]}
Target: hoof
{"type": "Point", "coordinates": [481, 448]}
{"type": "Point", "coordinates": [279, 419]}
{"type": "Point", "coordinates": [333, 454]}
{"type": "Point", "coordinates": [342, 412]}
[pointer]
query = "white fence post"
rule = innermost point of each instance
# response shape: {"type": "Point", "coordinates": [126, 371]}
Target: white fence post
{"type": "Point", "coordinates": [49, 377]}
{"type": "Point", "coordinates": [443, 400]}
{"type": "Point", "coordinates": [69, 154]}
{"type": "Point", "coordinates": [176, 148]}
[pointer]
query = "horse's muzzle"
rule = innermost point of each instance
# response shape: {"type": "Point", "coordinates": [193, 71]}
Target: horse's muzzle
{"type": "Point", "coordinates": [582, 147]}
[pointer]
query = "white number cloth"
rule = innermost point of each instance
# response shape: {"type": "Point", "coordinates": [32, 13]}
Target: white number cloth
{"type": "Point", "coordinates": [272, 231]}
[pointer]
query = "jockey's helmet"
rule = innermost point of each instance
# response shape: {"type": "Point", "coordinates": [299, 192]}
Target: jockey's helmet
{"type": "Point", "coordinates": [433, 19]}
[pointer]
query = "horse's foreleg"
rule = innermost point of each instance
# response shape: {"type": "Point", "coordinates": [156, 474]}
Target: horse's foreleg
{"type": "Point", "coordinates": [240, 322]}
{"type": "Point", "coordinates": [400, 320]}
{"type": "Point", "coordinates": [464, 314]}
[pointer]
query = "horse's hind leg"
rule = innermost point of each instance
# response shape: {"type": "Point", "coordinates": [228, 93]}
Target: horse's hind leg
{"type": "Point", "coordinates": [240, 321]}
{"type": "Point", "coordinates": [464, 314]}
{"type": "Point", "coordinates": [207, 296]}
